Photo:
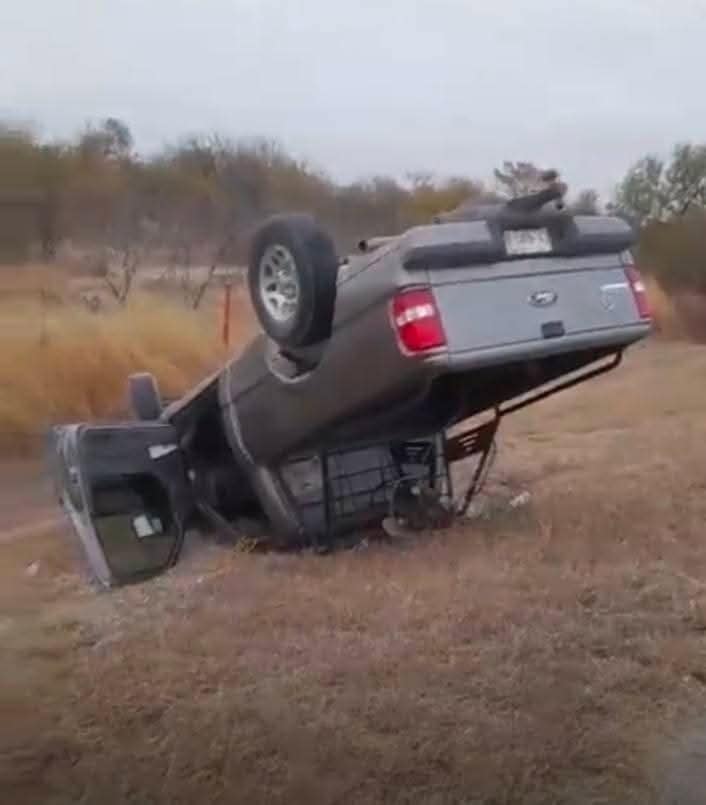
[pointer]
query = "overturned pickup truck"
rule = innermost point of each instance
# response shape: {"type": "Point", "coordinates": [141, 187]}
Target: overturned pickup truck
{"type": "Point", "coordinates": [339, 415]}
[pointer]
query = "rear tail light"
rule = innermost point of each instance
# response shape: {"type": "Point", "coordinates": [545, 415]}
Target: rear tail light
{"type": "Point", "coordinates": [416, 321]}
{"type": "Point", "coordinates": [639, 292]}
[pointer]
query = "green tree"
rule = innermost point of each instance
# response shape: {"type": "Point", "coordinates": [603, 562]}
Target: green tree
{"type": "Point", "coordinates": [654, 190]}
{"type": "Point", "coordinates": [685, 179]}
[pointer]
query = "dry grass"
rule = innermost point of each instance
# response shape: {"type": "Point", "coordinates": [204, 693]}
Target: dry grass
{"type": "Point", "coordinates": [667, 318]}
{"type": "Point", "coordinates": [678, 316]}
{"type": "Point", "coordinates": [547, 655]}
{"type": "Point", "coordinates": [61, 363]}
{"type": "Point", "coordinates": [22, 283]}
{"type": "Point", "coordinates": [691, 309]}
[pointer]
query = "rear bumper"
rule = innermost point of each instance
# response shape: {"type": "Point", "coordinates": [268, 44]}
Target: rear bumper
{"type": "Point", "coordinates": [615, 337]}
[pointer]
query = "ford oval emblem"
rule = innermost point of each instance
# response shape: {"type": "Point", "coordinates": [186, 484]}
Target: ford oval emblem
{"type": "Point", "coordinates": [543, 298]}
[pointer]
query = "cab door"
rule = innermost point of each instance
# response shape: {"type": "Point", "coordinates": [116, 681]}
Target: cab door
{"type": "Point", "coordinates": [125, 491]}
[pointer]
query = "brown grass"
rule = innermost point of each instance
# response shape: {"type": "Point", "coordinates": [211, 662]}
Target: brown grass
{"type": "Point", "coordinates": [59, 362]}
{"type": "Point", "coordinates": [681, 315]}
{"type": "Point", "coordinates": [667, 320]}
{"type": "Point", "coordinates": [546, 655]}
{"type": "Point", "coordinates": [22, 283]}
{"type": "Point", "coordinates": [691, 309]}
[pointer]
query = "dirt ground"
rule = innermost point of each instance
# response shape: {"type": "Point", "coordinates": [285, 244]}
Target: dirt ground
{"type": "Point", "coordinates": [25, 499]}
{"type": "Point", "coordinates": [553, 653]}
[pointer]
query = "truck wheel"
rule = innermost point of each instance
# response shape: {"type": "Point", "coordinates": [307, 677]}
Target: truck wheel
{"type": "Point", "coordinates": [292, 275]}
{"type": "Point", "coordinates": [144, 396]}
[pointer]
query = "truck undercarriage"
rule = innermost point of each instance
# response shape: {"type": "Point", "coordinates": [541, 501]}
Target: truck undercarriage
{"type": "Point", "coordinates": [144, 484]}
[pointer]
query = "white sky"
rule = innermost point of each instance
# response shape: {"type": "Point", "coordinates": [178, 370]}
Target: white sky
{"type": "Point", "coordinates": [377, 86]}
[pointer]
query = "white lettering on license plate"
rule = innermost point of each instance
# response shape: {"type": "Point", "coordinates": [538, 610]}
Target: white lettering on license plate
{"type": "Point", "coordinates": [527, 241]}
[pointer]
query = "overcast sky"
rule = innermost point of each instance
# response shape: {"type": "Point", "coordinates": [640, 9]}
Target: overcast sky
{"type": "Point", "coordinates": [374, 86]}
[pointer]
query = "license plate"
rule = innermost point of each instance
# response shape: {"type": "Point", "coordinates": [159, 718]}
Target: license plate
{"type": "Point", "coordinates": [527, 241]}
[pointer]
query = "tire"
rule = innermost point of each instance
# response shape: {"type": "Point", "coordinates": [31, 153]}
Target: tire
{"type": "Point", "coordinates": [295, 308]}
{"type": "Point", "coordinates": [144, 397]}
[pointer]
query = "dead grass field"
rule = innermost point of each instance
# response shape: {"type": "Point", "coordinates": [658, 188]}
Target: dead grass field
{"type": "Point", "coordinates": [551, 654]}
{"type": "Point", "coordinates": [59, 362]}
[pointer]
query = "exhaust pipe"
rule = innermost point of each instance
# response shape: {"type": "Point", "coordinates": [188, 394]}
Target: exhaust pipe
{"type": "Point", "coordinates": [371, 244]}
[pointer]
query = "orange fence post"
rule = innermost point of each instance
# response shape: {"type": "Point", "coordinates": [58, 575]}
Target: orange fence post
{"type": "Point", "coordinates": [225, 333]}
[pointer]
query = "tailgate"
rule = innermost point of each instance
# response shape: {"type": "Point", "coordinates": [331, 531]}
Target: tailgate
{"type": "Point", "coordinates": [532, 300]}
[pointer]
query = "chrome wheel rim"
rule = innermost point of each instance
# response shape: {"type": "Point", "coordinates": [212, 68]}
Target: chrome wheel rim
{"type": "Point", "coordinates": [279, 283]}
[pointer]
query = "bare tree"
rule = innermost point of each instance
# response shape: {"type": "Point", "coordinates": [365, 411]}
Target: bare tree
{"type": "Point", "coordinates": [516, 179]}
{"type": "Point", "coordinates": [120, 279]}
{"type": "Point", "coordinates": [586, 203]}
{"type": "Point", "coordinates": [111, 139]}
